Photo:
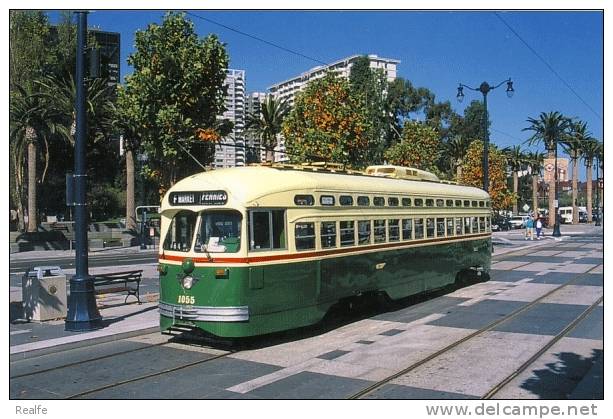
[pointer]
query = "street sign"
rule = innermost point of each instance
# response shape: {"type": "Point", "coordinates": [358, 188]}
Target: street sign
{"type": "Point", "coordinates": [525, 207]}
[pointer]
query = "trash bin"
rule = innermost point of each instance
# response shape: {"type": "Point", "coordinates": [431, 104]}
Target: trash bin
{"type": "Point", "coordinates": [44, 293]}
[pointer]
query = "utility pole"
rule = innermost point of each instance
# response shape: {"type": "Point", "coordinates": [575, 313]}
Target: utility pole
{"type": "Point", "coordinates": [83, 313]}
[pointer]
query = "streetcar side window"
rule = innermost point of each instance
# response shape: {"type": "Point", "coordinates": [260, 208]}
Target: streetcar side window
{"type": "Point", "coordinates": [488, 225]}
{"type": "Point", "coordinates": [466, 225]}
{"type": "Point", "coordinates": [345, 200]}
{"type": "Point", "coordinates": [406, 202]}
{"type": "Point", "coordinates": [474, 203]}
{"type": "Point", "coordinates": [393, 230]}
{"type": "Point", "coordinates": [482, 224]}
{"type": "Point", "coordinates": [305, 236]}
{"type": "Point", "coordinates": [379, 201]}
{"type": "Point", "coordinates": [450, 229]}
{"type": "Point", "coordinates": [429, 202]}
{"type": "Point", "coordinates": [458, 226]}
{"type": "Point", "coordinates": [328, 234]}
{"type": "Point", "coordinates": [379, 230]}
{"type": "Point", "coordinates": [407, 229]}
{"type": "Point", "coordinates": [458, 202]}
{"type": "Point", "coordinates": [449, 203]}
{"type": "Point", "coordinates": [392, 201]}
{"type": "Point", "coordinates": [181, 232]}
{"type": "Point", "coordinates": [267, 230]}
{"type": "Point", "coordinates": [347, 231]}
{"type": "Point", "coordinates": [481, 204]}
{"type": "Point", "coordinates": [363, 201]}
{"type": "Point", "coordinates": [419, 202]}
{"type": "Point", "coordinates": [364, 232]}
{"type": "Point", "coordinates": [467, 203]}
{"type": "Point", "coordinates": [430, 227]}
{"type": "Point", "coordinates": [475, 226]}
{"type": "Point", "coordinates": [419, 228]}
{"type": "Point", "coordinates": [440, 227]}
{"type": "Point", "coordinates": [304, 200]}
{"type": "Point", "coordinates": [440, 203]}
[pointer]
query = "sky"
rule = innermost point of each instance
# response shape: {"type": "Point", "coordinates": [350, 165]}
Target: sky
{"type": "Point", "coordinates": [437, 50]}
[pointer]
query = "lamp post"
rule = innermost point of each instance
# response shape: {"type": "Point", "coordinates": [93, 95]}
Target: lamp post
{"type": "Point", "coordinates": [485, 88]}
{"type": "Point", "coordinates": [556, 202]}
{"type": "Point", "coordinates": [597, 223]}
{"type": "Point", "coordinates": [83, 313]}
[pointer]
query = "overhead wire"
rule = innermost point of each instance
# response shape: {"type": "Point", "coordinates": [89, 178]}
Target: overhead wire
{"type": "Point", "coordinates": [547, 64]}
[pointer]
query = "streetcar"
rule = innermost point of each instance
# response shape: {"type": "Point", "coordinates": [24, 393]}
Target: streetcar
{"type": "Point", "coordinates": [253, 250]}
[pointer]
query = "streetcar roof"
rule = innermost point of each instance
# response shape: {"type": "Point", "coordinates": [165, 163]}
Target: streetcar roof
{"type": "Point", "coordinates": [245, 185]}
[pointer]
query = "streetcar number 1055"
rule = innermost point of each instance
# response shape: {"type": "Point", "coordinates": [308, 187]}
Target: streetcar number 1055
{"type": "Point", "coordinates": [187, 299]}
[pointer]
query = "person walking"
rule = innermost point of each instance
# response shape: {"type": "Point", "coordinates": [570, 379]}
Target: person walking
{"type": "Point", "coordinates": [539, 228]}
{"type": "Point", "coordinates": [529, 229]}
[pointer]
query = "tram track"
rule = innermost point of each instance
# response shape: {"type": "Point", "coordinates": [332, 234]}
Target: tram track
{"type": "Point", "coordinates": [379, 384]}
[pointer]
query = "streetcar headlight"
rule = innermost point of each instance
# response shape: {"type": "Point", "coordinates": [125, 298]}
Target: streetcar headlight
{"type": "Point", "coordinates": [188, 282]}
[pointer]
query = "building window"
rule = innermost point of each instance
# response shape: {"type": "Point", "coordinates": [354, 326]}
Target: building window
{"type": "Point", "coordinates": [347, 231]}
{"type": "Point", "coordinates": [345, 200]}
{"type": "Point", "coordinates": [364, 232]}
{"type": "Point", "coordinates": [393, 230]}
{"type": "Point", "coordinates": [379, 230]}
{"type": "Point", "coordinates": [328, 234]}
{"type": "Point", "coordinates": [305, 236]}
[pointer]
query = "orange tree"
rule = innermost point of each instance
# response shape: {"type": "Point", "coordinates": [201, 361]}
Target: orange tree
{"type": "Point", "coordinates": [419, 147]}
{"type": "Point", "coordinates": [472, 174]}
{"type": "Point", "coordinates": [327, 123]}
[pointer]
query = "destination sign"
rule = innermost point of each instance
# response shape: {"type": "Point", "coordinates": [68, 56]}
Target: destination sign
{"type": "Point", "coordinates": [198, 198]}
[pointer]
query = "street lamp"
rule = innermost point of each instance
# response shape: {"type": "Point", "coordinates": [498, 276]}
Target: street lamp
{"type": "Point", "coordinates": [485, 88]}
{"type": "Point", "coordinates": [598, 163]}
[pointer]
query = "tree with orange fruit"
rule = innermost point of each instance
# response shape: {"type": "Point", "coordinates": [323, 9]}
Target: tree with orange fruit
{"type": "Point", "coordinates": [472, 174]}
{"type": "Point", "coordinates": [327, 123]}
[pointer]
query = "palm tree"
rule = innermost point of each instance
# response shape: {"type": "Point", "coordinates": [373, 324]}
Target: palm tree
{"type": "Point", "coordinates": [534, 160]}
{"type": "Point", "coordinates": [455, 151]}
{"type": "Point", "coordinates": [266, 124]}
{"type": "Point", "coordinates": [589, 152]}
{"type": "Point", "coordinates": [32, 122]}
{"type": "Point", "coordinates": [572, 144]}
{"type": "Point", "coordinates": [516, 160]}
{"type": "Point", "coordinates": [549, 128]}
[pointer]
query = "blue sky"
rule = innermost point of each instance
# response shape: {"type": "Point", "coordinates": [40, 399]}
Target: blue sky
{"type": "Point", "coordinates": [437, 49]}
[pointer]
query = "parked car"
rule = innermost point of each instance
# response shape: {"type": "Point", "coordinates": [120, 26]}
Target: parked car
{"type": "Point", "coordinates": [518, 221]}
{"type": "Point", "coordinates": [500, 223]}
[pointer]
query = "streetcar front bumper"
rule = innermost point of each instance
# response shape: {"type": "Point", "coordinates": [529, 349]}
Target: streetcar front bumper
{"type": "Point", "coordinates": [200, 313]}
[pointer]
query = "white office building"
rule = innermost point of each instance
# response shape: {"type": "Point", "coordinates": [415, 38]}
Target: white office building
{"type": "Point", "coordinates": [288, 89]}
{"type": "Point", "coordinates": [233, 154]}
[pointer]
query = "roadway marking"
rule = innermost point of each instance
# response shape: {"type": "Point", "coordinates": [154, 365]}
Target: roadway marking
{"type": "Point", "coordinates": [20, 332]}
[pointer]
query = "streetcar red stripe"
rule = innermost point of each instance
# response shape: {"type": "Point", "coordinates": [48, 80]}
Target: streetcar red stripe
{"type": "Point", "coordinates": [306, 255]}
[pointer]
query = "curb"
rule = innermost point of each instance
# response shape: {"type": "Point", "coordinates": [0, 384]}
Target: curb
{"type": "Point", "coordinates": [50, 349]}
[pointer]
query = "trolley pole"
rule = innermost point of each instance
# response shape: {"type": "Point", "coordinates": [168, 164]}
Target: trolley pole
{"type": "Point", "coordinates": [83, 313]}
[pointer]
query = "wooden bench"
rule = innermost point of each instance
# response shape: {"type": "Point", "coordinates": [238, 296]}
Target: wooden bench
{"type": "Point", "coordinates": [121, 278]}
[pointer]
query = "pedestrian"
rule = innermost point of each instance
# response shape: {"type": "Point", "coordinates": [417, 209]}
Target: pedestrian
{"type": "Point", "coordinates": [529, 229]}
{"type": "Point", "coordinates": [539, 228]}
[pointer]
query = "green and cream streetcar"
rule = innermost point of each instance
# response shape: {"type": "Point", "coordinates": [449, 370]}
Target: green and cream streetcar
{"type": "Point", "coordinates": [253, 250]}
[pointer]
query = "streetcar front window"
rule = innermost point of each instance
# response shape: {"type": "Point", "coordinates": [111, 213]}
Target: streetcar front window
{"type": "Point", "coordinates": [181, 231]}
{"type": "Point", "coordinates": [219, 232]}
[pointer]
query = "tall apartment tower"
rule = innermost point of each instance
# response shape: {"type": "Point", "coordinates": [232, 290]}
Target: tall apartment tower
{"type": "Point", "coordinates": [233, 154]}
{"type": "Point", "coordinates": [288, 89]}
{"type": "Point", "coordinates": [254, 146]}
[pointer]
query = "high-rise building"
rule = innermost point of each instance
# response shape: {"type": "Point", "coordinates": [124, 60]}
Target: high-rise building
{"type": "Point", "coordinates": [288, 89]}
{"type": "Point", "coordinates": [233, 152]}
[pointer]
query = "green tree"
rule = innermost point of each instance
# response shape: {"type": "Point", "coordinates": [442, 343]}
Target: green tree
{"type": "Point", "coordinates": [177, 92]}
{"type": "Point", "coordinates": [328, 122]}
{"type": "Point", "coordinates": [419, 147]}
{"type": "Point", "coordinates": [516, 161]}
{"type": "Point", "coordinates": [454, 152]}
{"type": "Point", "coordinates": [370, 86]}
{"type": "Point", "coordinates": [267, 122]}
{"type": "Point", "coordinates": [403, 102]}
{"type": "Point", "coordinates": [548, 129]}
{"type": "Point", "coordinates": [589, 152]}
{"type": "Point", "coordinates": [572, 143]}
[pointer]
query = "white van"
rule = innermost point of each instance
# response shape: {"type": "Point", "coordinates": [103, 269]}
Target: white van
{"type": "Point", "coordinates": [566, 214]}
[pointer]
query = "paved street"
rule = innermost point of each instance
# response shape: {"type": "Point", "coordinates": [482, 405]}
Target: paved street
{"type": "Point", "coordinates": [540, 317]}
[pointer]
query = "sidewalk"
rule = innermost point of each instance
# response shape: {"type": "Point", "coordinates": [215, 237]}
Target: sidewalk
{"type": "Point", "coordinates": [49, 254]}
